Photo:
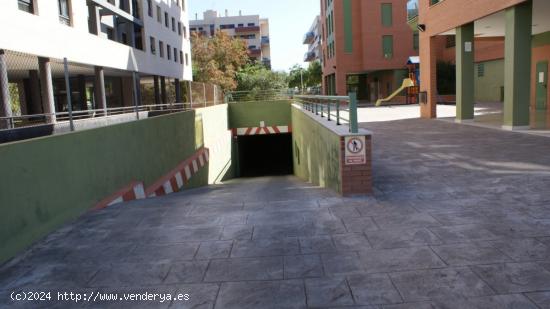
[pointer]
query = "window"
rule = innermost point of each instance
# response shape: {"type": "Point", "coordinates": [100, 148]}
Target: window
{"type": "Point", "coordinates": [166, 20]}
{"type": "Point", "coordinates": [240, 25]}
{"type": "Point", "coordinates": [168, 52]}
{"type": "Point", "coordinates": [415, 40]}
{"type": "Point", "coordinates": [387, 46]}
{"type": "Point", "coordinates": [183, 5]}
{"type": "Point", "coordinates": [387, 13]}
{"type": "Point", "coordinates": [186, 59]}
{"type": "Point", "coordinates": [150, 8]}
{"type": "Point", "coordinates": [153, 45]}
{"type": "Point", "coordinates": [173, 24]}
{"type": "Point", "coordinates": [26, 6]}
{"type": "Point", "coordinates": [179, 28]}
{"type": "Point", "coordinates": [64, 12]}
{"type": "Point", "coordinates": [185, 32]}
{"type": "Point", "coordinates": [161, 49]}
{"type": "Point", "coordinates": [159, 14]}
{"type": "Point", "coordinates": [480, 69]}
{"type": "Point", "coordinates": [181, 57]}
{"type": "Point", "coordinates": [228, 26]}
{"type": "Point", "coordinates": [251, 24]}
{"type": "Point", "coordinates": [175, 54]}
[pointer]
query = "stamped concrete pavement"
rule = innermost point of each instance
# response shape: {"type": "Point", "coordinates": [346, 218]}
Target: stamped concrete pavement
{"type": "Point", "coordinates": [460, 219]}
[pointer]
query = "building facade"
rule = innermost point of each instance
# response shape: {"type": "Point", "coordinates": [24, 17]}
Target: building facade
{"type": "Point", "coordinates": [250, 28]}
{"type": "Point", "coordinates": [366, 46]}
{"type": "Point", "coordinates": [312, 39]}
{"type": "Point", "coordinates": [524, 27]}
{"type": "Point", "coordinates": [108, 43]}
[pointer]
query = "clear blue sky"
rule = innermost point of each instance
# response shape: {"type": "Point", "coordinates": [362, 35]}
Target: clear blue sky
{"type": "Point", "coordinates": [289, 20]}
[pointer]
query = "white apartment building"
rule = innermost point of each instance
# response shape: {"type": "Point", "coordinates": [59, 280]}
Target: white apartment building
{"type": "Point", "coordinates": [105, 41]}
{"type": "Point", "coordinates": [251, 28]}
{"type": "Point", "coordinates": [313, 39]}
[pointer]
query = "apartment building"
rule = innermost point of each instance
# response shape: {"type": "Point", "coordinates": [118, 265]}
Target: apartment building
{"type": "Point", "coordinates": [250, 28]}
{"type": "Point", "coordinates": [108, 43]}
{"type": "Point", "coordinates": [366, 46]}
{"type": "Point", "coordinates": [312, 39]}
{"type": "Point", "coordinates": [525, 29]}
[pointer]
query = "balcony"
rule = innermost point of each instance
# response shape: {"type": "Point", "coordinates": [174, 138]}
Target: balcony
{"type": "Point", "coordinates": [265, 40]}
{"type": "Point", "coordinates": [254, 52]}
{"type": "Point", "coordinates": [310, 56]}
{"type": "Point", "coordinates": [247, 29]}
{"type": "Point", "coordinates": [309, 38]}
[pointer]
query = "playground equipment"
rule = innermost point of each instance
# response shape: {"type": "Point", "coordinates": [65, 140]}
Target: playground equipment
{"type": "Point", "coordinates": [407, 83]}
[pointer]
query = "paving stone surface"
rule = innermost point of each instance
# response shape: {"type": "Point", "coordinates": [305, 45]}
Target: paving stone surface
{"type": "Point", "coordinates": [460, 218]}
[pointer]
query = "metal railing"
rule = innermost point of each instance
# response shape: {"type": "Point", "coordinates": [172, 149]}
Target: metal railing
{"type": "Point", "coordinates": [333, 108]}
{"type": "Point", "coordinates": [21, 121]}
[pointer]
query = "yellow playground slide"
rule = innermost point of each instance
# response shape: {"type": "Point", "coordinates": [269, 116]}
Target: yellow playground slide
{"type": "Point", "coordinates": [407, 82]}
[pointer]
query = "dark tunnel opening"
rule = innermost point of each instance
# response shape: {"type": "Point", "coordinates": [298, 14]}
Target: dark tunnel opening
{"type": "Point", "coordinates": [265, 155]}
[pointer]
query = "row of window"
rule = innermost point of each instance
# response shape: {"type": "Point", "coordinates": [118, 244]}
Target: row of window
{"type": "Point", "coordinates": [171, 53]}
{"type": "Point", "coordinates": [387, 46]}
{"type": "Point", "coordinates": [64, 9]}
{"type": "Point", "coordinates": [179, 27]}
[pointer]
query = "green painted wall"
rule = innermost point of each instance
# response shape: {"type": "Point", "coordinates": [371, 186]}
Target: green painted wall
{"type": "Point", "coordinates": [464, 70]}
{"type": "Point", "coordinates": [48, 181]}
{"type": "Point", "coordinates": [316, 151]}
{"type": "Point", "coordinates": [249, 114]}
{"type": "Point", "coordinates": [348, 26]}
{"type": "Point", "coordinates": [488, 88]}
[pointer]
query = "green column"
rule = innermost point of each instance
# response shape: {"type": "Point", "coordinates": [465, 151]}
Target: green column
{"type": "Point", "coordinates": [517, 65]}
{"type": "Point", "coordinates": [465, 72]}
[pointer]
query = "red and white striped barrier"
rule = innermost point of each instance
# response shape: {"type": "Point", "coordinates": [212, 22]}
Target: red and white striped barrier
{"type": "Point", "coordinates": [261, 130]}
{"type": "Point", "coordinates": [178, 177]}
{"type": "Point", "coordinates": [133, 191]}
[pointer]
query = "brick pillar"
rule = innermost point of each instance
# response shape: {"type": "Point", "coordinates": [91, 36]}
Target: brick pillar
{"type": "Point", "coordinates": [428, 75]}
{"type": "Point", "coordinates": [356, 179]}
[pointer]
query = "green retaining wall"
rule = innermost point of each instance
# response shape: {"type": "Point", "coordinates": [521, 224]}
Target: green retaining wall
{"type": "Point", "coordinates": [250, 114]}
{"type": "Point", "coordinates": [48, 181]}
{"type": "Point", "coordinates": [316, 151]}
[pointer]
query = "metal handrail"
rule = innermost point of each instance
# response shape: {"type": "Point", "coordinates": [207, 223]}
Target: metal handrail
{"type": "Point", "coordinates": [95, 113]}
{"type": "Point", "coordinates": [319, 104]}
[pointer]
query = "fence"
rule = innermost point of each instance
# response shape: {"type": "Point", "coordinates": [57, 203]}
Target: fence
{"type": "Point", "coordinates": [342, 109]}
{"type": "Point", "coordinates": [38, 91]}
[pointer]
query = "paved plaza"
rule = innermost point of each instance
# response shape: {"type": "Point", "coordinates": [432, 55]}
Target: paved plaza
{"type": "Point", "coordinates": [460, 219]}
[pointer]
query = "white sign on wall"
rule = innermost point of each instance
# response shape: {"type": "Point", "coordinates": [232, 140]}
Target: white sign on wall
{"type": "Point", "coordinates": [468, 47]}
{"type": "Point", "coordinates": [355, 153]}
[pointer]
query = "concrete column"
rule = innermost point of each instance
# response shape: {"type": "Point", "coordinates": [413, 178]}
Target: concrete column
{"type": "Point", "coordinates": [428, 75]}
{"type": "Point", "coordinates": [178, 90]}
{"type": "Point", "coordinates": [138, 89]}
{"type": "Point", "coordinates": [46, 86]}
{"type": "Point", "coordinates": [94, 19]}
{"type": "Point", "coordinates": [157, 89]}
{"type": "Point", "coordinates": [34, 85]}
{"type": "Point", "coordinates": [5, 105]}
{"type": "Point", "coordinates": [517, 66]}
{"type": "Point", "coordinates": [99, 90]}
{"type": "Point", "coordinates": [82, 100]}
{"type": "Point", "coordinates": [163, 90]}
{"type": "Point", "coordinates": [465, 73]}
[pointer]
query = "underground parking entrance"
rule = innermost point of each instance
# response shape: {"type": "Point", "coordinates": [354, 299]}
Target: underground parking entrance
{"type": "Point", "coordinates": [265, 155]}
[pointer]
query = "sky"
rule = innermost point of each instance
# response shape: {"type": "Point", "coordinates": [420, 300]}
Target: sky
{"type": "Point", "coordinates": [289, 20]}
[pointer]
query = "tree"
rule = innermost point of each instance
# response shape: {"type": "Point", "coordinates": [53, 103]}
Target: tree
{"type": "Point", "coordinates": [312, 76]}
{"type": "Point", "coordinates": [217, 60]}
{"type": "Point", "coordinates": [259, 83]}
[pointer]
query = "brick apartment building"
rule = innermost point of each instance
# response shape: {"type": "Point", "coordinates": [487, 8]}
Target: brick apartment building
{"type": "Point", "coordinates": [523, 28]}
{"type": "Point", "coordinates": [366, 45]}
